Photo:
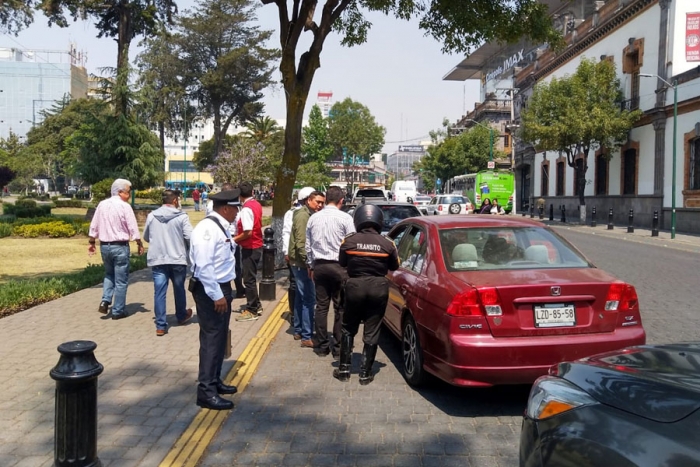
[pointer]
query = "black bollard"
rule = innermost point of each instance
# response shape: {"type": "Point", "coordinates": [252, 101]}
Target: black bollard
{"type": "Point", "coordinates": [630, 226]}
{"type": "Point", "coordinates": [540, 208]}
{"type": "Point", "coordinates": [75, 424]}
{"type": "Point", "coordinates": [268, 287]}
{"type": "Point", "coordinates": [594, 223]}
{"type": "Point", "coordinates": [610, 219]}
{"type": "Point", "coordinates": [532, 211]}
{"type": "Point", "coordinates": [655, 225]}
{"type": "Point", "coordinates": [551, 212]}
{"type": "Point", "coordinates": [563, 213]}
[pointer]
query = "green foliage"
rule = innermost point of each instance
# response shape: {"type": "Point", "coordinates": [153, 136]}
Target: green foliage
{"type": "Point", "coordinates": [68, 203]}
{"type": "Point", "coordinates": [27, 208]}
{"type": "Point", "coordinates": [102, 190]}
{"type": "Point", "coordinates": [315, 146]}
{"type": "Point", "coordinates": [576, 113]}
{"type": "Point", "coordinates": [7, 218]}
{"type": "Point", "coordinates": [15, 15]}
{"type": "Point", "coordinates": [353, 130]}
{"type": "Point", "coordinates": [313, 174]}
{"type": "Point", "coordinates": [18, 295]}
{"type": "Point", "coordinates": [24, 164]}
{"type": "Point", "coordinates": [49, 229]}
{"type": "Point", "coordinates": [205, 155]}
{"type": "Point", "coordinates": [114, 146]}
{"type": "Point", "coordinates": [5, 230]}
{"type": "Point", "coordinates": [244, 160]}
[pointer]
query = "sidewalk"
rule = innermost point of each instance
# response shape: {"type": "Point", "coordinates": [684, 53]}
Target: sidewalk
{"type": "Point", "coordinates": [146, 394]}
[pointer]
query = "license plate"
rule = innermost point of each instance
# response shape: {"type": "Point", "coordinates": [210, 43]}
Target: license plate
{"type": "Point", "coordinates": [555, 315]}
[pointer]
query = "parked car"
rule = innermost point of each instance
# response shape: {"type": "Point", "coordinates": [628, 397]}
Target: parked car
{"type": "Point", "coordinates": [449, 204]}
{"type": "Point", "coordinates": [393, 212]}
{"type": "Point", "coordinates": [634, 407]}
{"type": "Point", "coordinates": [486, 300]}
{"type": "Point", "coordinates": [369, 194]}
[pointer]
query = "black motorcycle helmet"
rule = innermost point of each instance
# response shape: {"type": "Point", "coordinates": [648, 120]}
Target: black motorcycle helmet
{"type": "Point", "coordinates": [368, 215]}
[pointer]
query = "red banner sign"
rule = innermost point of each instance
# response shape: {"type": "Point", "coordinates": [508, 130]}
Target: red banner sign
{"type": "Point", "coordinates": [692, 37]}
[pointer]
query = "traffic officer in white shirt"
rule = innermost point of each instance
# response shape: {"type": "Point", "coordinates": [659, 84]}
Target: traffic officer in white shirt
{"type": "Point", "coordinates": [213, 269]}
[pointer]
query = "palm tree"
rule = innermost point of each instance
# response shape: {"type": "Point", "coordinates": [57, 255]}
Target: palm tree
{"type": "Point", "coordinates": [261, 128]}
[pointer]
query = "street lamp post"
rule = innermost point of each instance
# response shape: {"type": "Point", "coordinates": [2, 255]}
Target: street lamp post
{"type": "Point", "coordinates": [673, 85]}
{"type": "Point", "coordinates": [491, 137]}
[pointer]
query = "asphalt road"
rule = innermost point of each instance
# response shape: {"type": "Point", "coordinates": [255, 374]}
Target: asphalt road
{"type": "Point", "coordinates": [295, 413]}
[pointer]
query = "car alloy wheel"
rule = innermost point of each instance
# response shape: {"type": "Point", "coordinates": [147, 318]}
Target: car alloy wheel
{"type": "Point", "coordinates": [413, 370]}
{"type": "Point", "coordinates": [454, 208]}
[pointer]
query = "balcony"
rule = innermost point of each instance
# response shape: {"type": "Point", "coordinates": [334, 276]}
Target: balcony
{"type": "Point", "coordinates": [630, 104]}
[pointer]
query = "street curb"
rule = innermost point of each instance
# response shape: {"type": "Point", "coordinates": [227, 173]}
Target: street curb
{"type": "Point", "coordinates": [189, 448]}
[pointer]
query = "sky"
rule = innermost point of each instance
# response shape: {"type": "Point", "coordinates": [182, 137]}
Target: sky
{"type": "Point", "coordinates": [397, 74]}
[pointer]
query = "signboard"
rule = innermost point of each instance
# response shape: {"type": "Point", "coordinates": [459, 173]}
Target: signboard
{"type": "Point", "coordinates": [415, 148]}
{"type": "Point", "coordinates": [491, 165]}
{"type": "Point", "coordinates": [692, 37]}
{"type": "Point", "coordinates": [508, 63]}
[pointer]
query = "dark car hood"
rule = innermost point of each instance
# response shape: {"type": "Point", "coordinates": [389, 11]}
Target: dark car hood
{"type": "Point", "coordinates": [658, 382]}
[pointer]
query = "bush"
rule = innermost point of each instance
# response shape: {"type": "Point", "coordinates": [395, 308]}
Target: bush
{"type": "Point", "coordinates": [16, 295]}
{"type": "Point", "coordinates": [7, 218]}
{"type": "Point", "coordinates": [53, 229]}
{"type": "Point", "coordinates": [68, 203]}
{"type": "Point", "coordinates": [102, 190]}
{"type": "Point", "coordinates": [5, 230]}
{"type": "Point", "coordinates": [27, 208]}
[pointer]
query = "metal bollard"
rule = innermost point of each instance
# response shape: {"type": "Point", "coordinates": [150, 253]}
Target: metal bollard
{"type": "Point", "coordinates": [551, 212]}
{"type": "Point", "coordinates": [268, 287]}
{"type": "Point", "coordinates": [532, 211]}
{"type": "Point", "coordinates": [610, 219]}
{"type": "Point", "coordinates": [563, 213]}
{"type": "Point", "coordinates": [541, 211]}
{"type": "Point", "coordinates": [630, 226]}
{"type": "Point", "coordinates": [594, 223]}
{"type": "Point", "coordinates": [655, 225]}
{"type": "Point", "coordinates": [75, 424]}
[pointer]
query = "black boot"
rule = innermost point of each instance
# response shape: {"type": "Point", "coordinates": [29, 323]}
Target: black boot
{"type": "Point", "coordinates": [343, 371]}
{"type": "Point", "coordinates": [368, 354]}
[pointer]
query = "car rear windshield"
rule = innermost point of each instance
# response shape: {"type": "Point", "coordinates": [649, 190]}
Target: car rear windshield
{"type": "Point", "coordinates": [394, 214]}
{"type": "Point", "coordinates": [370, 193]}
{"type": "Point", "coordinates": [507, 248]}
{"type": "Point", "coordinates": [452, 199]}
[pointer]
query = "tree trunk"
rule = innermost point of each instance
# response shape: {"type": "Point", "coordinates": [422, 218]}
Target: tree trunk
{"type": "Point", "coordinates": [123, 43]}
{"type": "Point", "coordinates": [218, 137]}
{"type": "Point", "coordinates": [161, 135]}
{"type": "Point", "coordinates": [580, 173]}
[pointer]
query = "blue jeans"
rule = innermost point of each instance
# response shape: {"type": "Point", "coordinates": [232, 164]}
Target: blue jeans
{"type": "Point", "coordinates": [116, 262]}
{"type": "Point", "coordinates": [304, 303]}
{"type": "Point", "coordinates": [161, 275]}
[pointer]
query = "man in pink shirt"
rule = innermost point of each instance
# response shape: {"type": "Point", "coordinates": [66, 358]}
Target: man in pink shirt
{"type": "Point", "coordinates": [114, 224]}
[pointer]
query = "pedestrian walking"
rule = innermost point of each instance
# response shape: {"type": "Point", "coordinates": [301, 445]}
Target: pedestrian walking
{"type": "Point", "coordinates": [168, 232]}
{"type": "Point", "coordinates": [114, 225]}
{"type": "Point", "coordinates": [196, 197]}
{"type": "Point", "coordinates": [368, 256]}
{"type": "Point", "coordinates": [250, 238]}
{"type": "Point", "coordinates": [213, 269]}
{"type": "Point", "coordinates": [324, 234]}
{"type": "Point", "coordinates": [286, 232]}
{"type": "Point", "coordinates": [305, 300]}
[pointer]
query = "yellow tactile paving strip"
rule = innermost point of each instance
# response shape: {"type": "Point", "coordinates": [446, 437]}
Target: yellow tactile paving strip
{"type": "Point", "coordinates": [190, 447]}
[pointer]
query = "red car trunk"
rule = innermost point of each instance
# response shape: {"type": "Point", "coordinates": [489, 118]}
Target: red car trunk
{"type": "Point", "coordinates": [564, 301]}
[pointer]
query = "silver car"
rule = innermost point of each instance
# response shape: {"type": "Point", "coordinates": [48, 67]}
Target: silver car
{"type": "Point", "coordinates": [449, 204]}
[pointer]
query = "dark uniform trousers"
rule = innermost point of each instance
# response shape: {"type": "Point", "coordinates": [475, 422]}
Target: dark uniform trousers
{"type": "Point", "coordinates": [329, 278]}
{"type": "Point", "coordinates": [240, 288]}
{"type": "Point", "coordinates": [213, 332]}
{"type": "Point", "coordinates": [365, 300]}
{"type": "Point", "coordinates": [250, 259]}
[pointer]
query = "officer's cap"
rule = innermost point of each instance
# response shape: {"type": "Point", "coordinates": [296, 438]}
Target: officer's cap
{"type": "Point", "coordinates": [230, 197]}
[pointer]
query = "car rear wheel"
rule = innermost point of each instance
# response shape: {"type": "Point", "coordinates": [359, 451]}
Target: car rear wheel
{"type": "Point", "coordinates": [412, 354]}
{"type": "Point", "coordinates": [454, 208]}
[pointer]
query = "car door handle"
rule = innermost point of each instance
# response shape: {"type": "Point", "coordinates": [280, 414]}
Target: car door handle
{"type": "Point", "coordinates": [404, 289]}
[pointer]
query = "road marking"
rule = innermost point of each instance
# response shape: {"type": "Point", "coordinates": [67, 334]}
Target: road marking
{"type": "Point", "coordinates": [189, 448]}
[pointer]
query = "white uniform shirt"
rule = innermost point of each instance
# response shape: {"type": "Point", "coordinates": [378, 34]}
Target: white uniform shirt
{"type": "Point", "coordinates": [211, 255]}
{"type": "Point", "coordinates": [287, 229]}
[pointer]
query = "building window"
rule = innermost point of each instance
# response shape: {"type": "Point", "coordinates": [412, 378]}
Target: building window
{"type": "Point", "coordinates": [561, 174]}
{"type": "Point", "coordinates": [506, 141]}
{"type": "Point", "coordinates": [601, 175]}
{"type": "Point", "coordinates": [634, 95]}
{"type": "Point", "coordinates": [544, 187]}
{"type": "Point", "coordinates": [179, 166]}
{"type": "Point", "coordinates": [694, 165]}
{"type": "Point", "coordinates": [629, 172]}
{"type": "Point", "coordinates": [632, 61]}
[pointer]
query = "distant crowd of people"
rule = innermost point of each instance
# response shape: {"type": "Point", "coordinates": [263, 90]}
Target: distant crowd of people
{"type": "Point", "coordinates": [489, 207]}
{"type": "Point", "coordinates": [332, 257]}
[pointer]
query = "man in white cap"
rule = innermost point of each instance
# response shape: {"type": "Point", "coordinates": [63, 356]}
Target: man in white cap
{"type": "Point", "coordinates": [305, 300]}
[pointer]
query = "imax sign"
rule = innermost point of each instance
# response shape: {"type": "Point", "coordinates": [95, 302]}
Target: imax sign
{"type": "Point", "coordinates": [508, 63]}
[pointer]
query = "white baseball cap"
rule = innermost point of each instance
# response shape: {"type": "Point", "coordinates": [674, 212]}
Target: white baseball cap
{"type": "Point", "coordinates": [305, 192]}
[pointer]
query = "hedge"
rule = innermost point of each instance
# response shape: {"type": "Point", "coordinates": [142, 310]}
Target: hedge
{"type": "Point", "coordinates": [27, 208]}
{"type": "Point", "coordinates": [53, 226]}
{"type": "Point", "coordinates": [18, 295]}
{"type": "Point", "coordinates": [47, 229]}
{"type": "Point", "coordinates": [68, 203]}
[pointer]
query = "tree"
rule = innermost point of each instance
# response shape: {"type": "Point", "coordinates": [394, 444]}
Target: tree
{"type": "Point", "coordinates": [15, 15]}
{"type": "Point", "coordinates": [206, 154]}
{"type": "Point", "coordinates": [577, 113]}
{"type": "Point", "coordinates": [353, 134]}
{"type": "Point", "coordinates": [315, 146]}
{"type": "Point", "coordinates": [456, 25]}
{"type": "Point", "coordinates": [226, 63]}
{"type": "Point", "coordinates": [47, 140]}
{"type": "Point", "coordinates": [244, 160]}
{"type": "Point", "coordinates": [113, 146]}
{"type": "Point", "coordinates": [261, 128]}
{"type": "Point", "coordinates": [123, 19]}
{"type": "Point", "coordinates": [25, 165]}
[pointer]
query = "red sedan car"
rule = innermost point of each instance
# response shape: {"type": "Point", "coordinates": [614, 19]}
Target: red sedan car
{"type": "Point", "coordinates": [485, 300]}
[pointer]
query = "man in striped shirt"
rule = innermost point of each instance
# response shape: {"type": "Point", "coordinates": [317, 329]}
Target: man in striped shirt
{"type": "Point", "coordinates": [324, 234]}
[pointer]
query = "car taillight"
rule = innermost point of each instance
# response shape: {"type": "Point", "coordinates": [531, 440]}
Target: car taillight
{"type": "Point", "coordinates": [476, 302]}
{"type": "Point", "coordinates": [621, 297]}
